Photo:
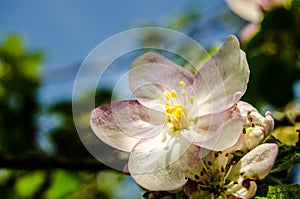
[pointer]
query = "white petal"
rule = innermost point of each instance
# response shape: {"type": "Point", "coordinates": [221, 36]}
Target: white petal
{"type": "Point", "coordinates": [247, 9]}
{"type": "Point", "coordinates": [245, 107]}
{"type": "Point", "coordinates": [257, 163]}
{"type": "Point", "coordinates": [238, 145]}
{"type": "Point", "coordinates": [123, 124]}
{"type": "Point", "coordinates": [158, 164]}
{"type": "Point", "coordinates": [253, 138]}
{"type": "Point", "coordinates": [192, 191]}
{"type": "Point", "coordinates": [266, 123]}
{"type": "Point", "coordinates": [217, 131]}
{"type": "Point", "coordinates": [249, 31]}
{"type": "Point", "coordinates": [221, 82]}
{"type": "Point", "coordinates": [246, 191]}
{"type": "Point", "coordinates": [151, 74]}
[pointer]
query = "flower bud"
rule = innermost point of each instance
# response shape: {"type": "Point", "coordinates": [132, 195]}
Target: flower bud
{"type": "Point", "coordinates": [256, 127]}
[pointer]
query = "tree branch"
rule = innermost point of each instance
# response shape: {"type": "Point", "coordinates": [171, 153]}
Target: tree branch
{"type": "Point", "coordinates": [43, 162]}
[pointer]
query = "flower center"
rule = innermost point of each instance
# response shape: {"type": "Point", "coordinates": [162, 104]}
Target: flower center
{"type": "Point", "coordinates": [219, 175]}
{"type": "Point", "coordinates": [213, 174]}
{"type": "Point", "coordinates": [176, 109]}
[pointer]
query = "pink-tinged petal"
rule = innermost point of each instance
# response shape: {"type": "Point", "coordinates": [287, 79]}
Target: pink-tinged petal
{"type": "Point", "coordinates": [257, 163]}
{"type": "Point", "coordinates": [253, 138]}
{"type": "Point", "coordinates": [151, 74]}
{"type": "Point", "coordinates": [264, 4]}
{"type": "Point", "coordinates": [192, 191]}
{"type": "Point", "coordinates": [268, 4]}
{"type": "Point", "coordinates": [125, 169]}
{"type": "Point", "coordinates": [222, 81]}
{"type": "Point", "coordinates": [159, 163]}
{"type": "Point", "coordinates": [123, 124]}
{"type": "Point", "coordinates": [249, 31]}
{"type": "Point", "coordinates": [266, 122]}
{"type": "Point", "coordinates": [245, 107]}
{"type": "Point", "coordinates": [245, 189]}
{"type": "Point", "coordinates": [217, 131]}
{"type": "Point", "coordinates": [249, 10]}
{"type": "Point", "coordinates": [238, 145]}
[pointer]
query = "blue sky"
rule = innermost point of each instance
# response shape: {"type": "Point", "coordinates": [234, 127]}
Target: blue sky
{"type": "Point", "coordinates": [68, 30]}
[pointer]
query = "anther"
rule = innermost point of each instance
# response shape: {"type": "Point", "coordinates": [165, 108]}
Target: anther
{"type": "Point", "coordinates": [216, 154]}
{"type": "Point", "coordinates": [183, 92]}
{"type": "Point", "coordinates": [222, 169]}
{"type": "Point", "coordinates": [244, 131]}
{"type": "Point", "coordinates": [192, 99]}
{"type": "Point", "coordinates": [173, 94]}
{"type": "Point", "coordinates": [209, 163]}
{"type": "Point", "coordinates": [246, 183]}
{"type": "Point", "coordinates": [182, 84]}
{"type": "Point", "coordinates": [202, 172]}
{"type": "Point", "coordinates": [167, 94]}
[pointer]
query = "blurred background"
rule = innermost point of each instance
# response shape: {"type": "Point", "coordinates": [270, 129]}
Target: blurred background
{"type": "Point", "coordinates": [42, 45]}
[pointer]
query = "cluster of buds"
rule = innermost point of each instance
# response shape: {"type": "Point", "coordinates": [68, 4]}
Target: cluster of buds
{"type": "Point", "coordinates": [222, 174]}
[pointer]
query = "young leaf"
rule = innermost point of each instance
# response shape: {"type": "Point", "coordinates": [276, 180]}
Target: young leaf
{"type": "Point", "coordinates": [288, 156]}
{"type": "Point", "coordinates": [282, 191]}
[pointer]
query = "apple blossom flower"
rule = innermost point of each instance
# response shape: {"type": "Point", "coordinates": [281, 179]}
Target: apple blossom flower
{"type": "Point", "coordinates": [219, 176]}
{"type": "Point", "coordinates": [253, 11]}
{"type": "Point", "coordinates": [174, 114]}
{"type": "Point", "coordinates": [256, 127]}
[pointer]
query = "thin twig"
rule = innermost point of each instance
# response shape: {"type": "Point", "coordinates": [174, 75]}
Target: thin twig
{"type": "Point", "coordinates": [37, 162]}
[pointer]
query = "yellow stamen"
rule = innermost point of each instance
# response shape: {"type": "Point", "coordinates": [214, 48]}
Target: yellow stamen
{"type": "Point", "coordinates": [228, 172]}
{"type": "Point", "coordinates": [173, 94]}
{"type": "Point", "coordinates": [183, 92]}
{"type": "Point", "coordinates": [176, 111]}
{"type": "Point", "coordinates": [192, 99]}
{"type": "Point", "coordinates": [182, 84]}
{"type": "Point", "coordinates": [167, 94]}
{"type": "Point", "coordinates": [201, 161]}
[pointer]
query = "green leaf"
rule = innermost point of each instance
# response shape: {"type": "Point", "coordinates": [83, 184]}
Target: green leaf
{"type": "Point", "coordinates": [13, 45]}
{"type": "Point", "coordinates": [288, 156]}
{"type": "Point", "coordinates": [63, 184]}
{"type": "Point", "coordinates": [282, 191]}
{"type": "Point", "coordinates": [273, 60]}
{"type": "Point", "coordinates": [287, 135]}
{"type": "Point", "coordinates": [27, 185]}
